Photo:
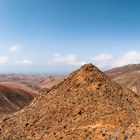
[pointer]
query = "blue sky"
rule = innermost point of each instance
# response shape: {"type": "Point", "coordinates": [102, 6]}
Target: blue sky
{"type": "Point", "coordinates": [57, 36]}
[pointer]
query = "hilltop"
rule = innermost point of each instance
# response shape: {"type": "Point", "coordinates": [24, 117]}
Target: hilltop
{"type": "Point", "coordinates": [86, 105]}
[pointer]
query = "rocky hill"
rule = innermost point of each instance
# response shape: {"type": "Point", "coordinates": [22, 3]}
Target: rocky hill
{"type": "Point", "coordinates": [87, 105]}
{"type": "Point", "coordinates": [128, 76]}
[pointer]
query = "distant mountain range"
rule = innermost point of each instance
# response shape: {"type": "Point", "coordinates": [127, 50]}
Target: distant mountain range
{"type": "Point", "coordinates": [128, 76]}
{"type": "Point", "coordinates": [85, 105]}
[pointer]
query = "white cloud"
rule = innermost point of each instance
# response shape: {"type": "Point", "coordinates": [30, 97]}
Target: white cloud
{"type": "Point", "coordinates": [106, 61]}
{"type": "Point", "coordinates": [127, 58]}
{"type": "Point", "coordinates": [69, 59]}
{"type": "Point", "coordinates": [102, 60]}
{"type": "Point", "coordinates": [14, 48]}
{"type": "Point", "coordinates": [3, 59]}
{"type": "Point", "coordinates": [25, 61]}
{"type": "Point", "coordinates": [102, 57]}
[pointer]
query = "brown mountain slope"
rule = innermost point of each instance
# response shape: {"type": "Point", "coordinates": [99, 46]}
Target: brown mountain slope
{"type": "Point", "coordinates": [128, 76]}
{"type": "Point", "coordinates": [13, 98]}
{"type": "Point", "coordinates": [50, 81]}
{"type": "Point", "coordinates": [31, 81]}
{"type": "Point", "coordinates": [21, 78]}
{"type": "Point", "coordinates": [86, 105]}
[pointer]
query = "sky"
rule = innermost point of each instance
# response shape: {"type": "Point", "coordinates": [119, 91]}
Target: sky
{"type": "Point", "coordinates": [58, 36]}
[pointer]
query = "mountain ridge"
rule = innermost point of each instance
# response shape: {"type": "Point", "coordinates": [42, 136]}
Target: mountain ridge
{"type": "Point", "coordinates": [128, 76]}
{"type": "Point", "coordinates": [86, 105]}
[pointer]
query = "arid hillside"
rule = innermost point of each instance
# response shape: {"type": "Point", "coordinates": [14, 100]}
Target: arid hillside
{"type": "Point", "coordinates": [32, 81]}
{"type": "Point", "coordinates": [86, 105]}
{"type": "Point", "coordinates": [50, 81]}
{"type": "Point", "coordinates": [128, 76]}
{"type": "Point", "coordinates": [21, 78]}
{"type": "Point", "coordinates": [13, 98]}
